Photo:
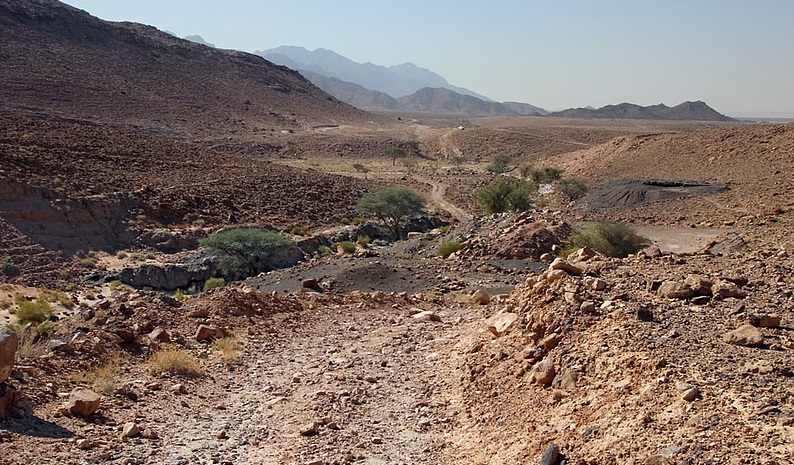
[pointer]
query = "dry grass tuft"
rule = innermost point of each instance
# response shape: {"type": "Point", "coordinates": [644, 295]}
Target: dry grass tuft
{"type": "Point", "coordinates": [228, 347]}
{"type": "Point", "coordinates": [102, 378]}
{"type": "Point", "coordinates": [175, 362]}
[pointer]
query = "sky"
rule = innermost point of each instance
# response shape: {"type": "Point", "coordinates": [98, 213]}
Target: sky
{"type": "Point", "coordinates": [735, 55]}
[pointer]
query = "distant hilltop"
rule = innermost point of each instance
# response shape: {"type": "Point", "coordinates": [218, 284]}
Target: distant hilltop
{"type": "Point", "coordinates": [687, 111]}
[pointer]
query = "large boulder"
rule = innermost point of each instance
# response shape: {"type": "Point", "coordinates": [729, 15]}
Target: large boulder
{"type": "Point", "coordinates": [9, 341]}
{"type": "Point", "coordinates": [83, 402]}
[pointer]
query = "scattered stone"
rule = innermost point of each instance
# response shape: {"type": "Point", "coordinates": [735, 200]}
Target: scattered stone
{"type": "Point", "coordinates": [690, 394]}
{"type": "Point", "coordinates": [722, 289]}
{"type": "Point", "coordinates": [596, 284]}
{"type": "Point", "coordinates": [675, 290]}
{"type": "Point", "coordinates": [547, 257]}
{"type": "Point", "coordinates": [658, 460]}
{"type": "Point", "coordinates": [130, 429]}
{"type": "Point", "coordinates": [199, 313]}
{"type": "Point", "coordinates": [644, 314]}
{"type": "Point", "coordinates": [179, 389]}
{"type": "Point", "coordinates": [549, 342]}
{"type": "Point", "coordinates": [560, 264]}
{"type": "Point", "coordinates": [700, 285]}
{"type": "Point", "coordinates": [501, 322]}
{"type": "Point", "coordinates": [312, 284]}
{"type": "Point", "coordinates": [427, 315]}
{"type": "Point", "coordinates": [568, 380]}
{"type": "Point", "coordinates": [377, 440]}
{"type": "Point", "coordinates": [765, 321]}
{"type": "Point", "coordinates": [56, 345]}
{"type": "Point", "coordinates": [160, 335]}
{"type": "Point", "coordinates": [587, 306]}
{"type": "Point", "coordinates": [745, 335]}
{"type": "Point", "coordinates": [149, 434]}
{"type": "Point", "coordinates": [480, 297]}
{"type": "Point", "coordinates": [312, 429]}
{"type": "Point", "coordinates": [701, 300]}
{"type": "Point", "coordinates": [582, 255]}
{"type": "Point", "coordinates": [9, 341]}
{"type": "Point", "coordinates": [83, 402]}
{"type": "Point", "coordinates": [85, 444]}
{"type": "Point", "coordinates": [208, 333]}
{"type": "Point", "coordinates": [552, 455]}
{"type": "Point", "coordinates": [544, 372]}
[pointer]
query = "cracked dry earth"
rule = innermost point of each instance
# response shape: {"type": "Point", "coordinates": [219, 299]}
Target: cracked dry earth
{"type": "Point", "coordinates": [353, 379]}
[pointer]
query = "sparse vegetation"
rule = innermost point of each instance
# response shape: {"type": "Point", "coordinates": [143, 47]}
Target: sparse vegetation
{"type": "Point", "coordinates": [247, 251]}
{"type": "Point", "coordinates": [359, 220]}
{"type": "Point", "coordinates": [448, 248]}
{"type": "Point", "coordinates": [7, 267]}
{"type": "Point", "coordinates": [34, 312]}
{"type": "Point", "coordinates": [121, 254]}
{"type": "Point", "coordinates": [458, 160]}
{"type": "Point", "coordinates": [213, 283]}
{"type": "Point", "coordinates": [88, 262]}
{"type": "Point", "coordinates": [115, 284]}
{"type": "Point", "coordinates": [525, 171]}
{"type": "Point", "coordinates": [610, 239]}
{"type": "Point", "coordinates": [546, 175]}
{"type": "Point", "coordinates": [345, 221]}
{"type": "Point", "coordinates": [394, 153]}
{"type": "Point", "coordinates": [499, 164]}
{"type": "Point", "coordinates": [178, 295]}
{"type": "Point", "coordinates": [572, 188]}
{"type": "Point", "coordinates": [175, 362]}
{"type": "Point", "coordinates": [228, 347]}
{"type": "Point", "coordinates": [102, 378]}
{"type": "Point", "coordinates": [299, 230]}
{"type": "Point", "coordinates": [391, 205]}
{"type": "Point", "coordinates": [360, 168]}
{"type": "Point", "coordinates": [362, 241]}
{"type": "Point", "coordinates": [324, 250]}
{"type": "Point", "coordinates": [505, 196]}
{"type": "Point", "coordinates": [348, 247]}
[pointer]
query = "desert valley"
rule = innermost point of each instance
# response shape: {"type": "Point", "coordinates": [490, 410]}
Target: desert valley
{"type": "Point", "coordinates": [209, 258]}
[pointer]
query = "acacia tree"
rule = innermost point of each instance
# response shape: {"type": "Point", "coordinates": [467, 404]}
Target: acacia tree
{"type": "Point", "coordinates": [394, 153]}
{"type": "Point", "coordinates": [391, 205]}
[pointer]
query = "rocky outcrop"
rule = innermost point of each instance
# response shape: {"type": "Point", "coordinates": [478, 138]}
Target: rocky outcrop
{"type": "Point", "coordinates": [8, 349]}
{"type": "Point", "coordinates": [174, 276]}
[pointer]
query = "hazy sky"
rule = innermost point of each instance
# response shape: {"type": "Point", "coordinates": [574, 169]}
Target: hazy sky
{"type": "Point", "coordinates": [736, 55]}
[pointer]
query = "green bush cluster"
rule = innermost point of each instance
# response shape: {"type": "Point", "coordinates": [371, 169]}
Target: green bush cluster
{"type": "Point", "coordinates": [213, 283]}
{"type": "Point", "coordinates": [610, 239]}
{"type": "Point", "coordinates": [247, 252]}
{"type": "Point", "coordinates": [499, 164]}
{"type": "Point", "coordinates": [448, 248]}
{"type": "Point", "coordinates": [348, 246]}
{"type": "Point", "coordinates": [35, 312]}
{"type": "Point", "coordinates": [505, 196]}
{"type": "Point", "coordinates": [573, 188]}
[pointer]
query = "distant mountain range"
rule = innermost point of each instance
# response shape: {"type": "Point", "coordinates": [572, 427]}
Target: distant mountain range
{"type": "Point", "coordinates": [687, 111]}
{"type": "Point", "coordinates": [396, 81]}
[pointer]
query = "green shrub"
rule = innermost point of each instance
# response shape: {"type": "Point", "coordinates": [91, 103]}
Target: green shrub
{"type": "Point", "coordinates": [499, 164]}
{"type": "Point", "coordinates": [448, 248]}
{"type": "Point", "coordinates": [610, 239]}
{"type": "Point", "coordinates": [348, 246]}
{"type": "Point", "coordinates": [247, 252]}
{"type": "Point", "coordinates": [88, 262]}
{"type": "Point", "coordinates": [324, 250]}
{"type": "Point", "coordinates": [345, 221]}
{"type": "Point", "coordinates": [35, 312]}
{"type": "Point", "coordinates": [573, 188]}
{"type": "Point", "coordinates": [357, 220]}
{"type": "Point", "coordinates": [526, 171]}
{"type": "Point", "coordinates": [546, 175]}
{"type": "Point", "coordinates": [363, 241]}
{"type": "Point", "coordinates": [7, 267]}
{"type": "Point", "coordinates": [179, 295]}
{"type": "Point", "coordinates": [391, 205]}
{"type": "Point", "coordinates": [299, 230]}
{"type": "Point", "coordinates": [212, 283]}
{"type": "Point", "coordinates": [504, 196]}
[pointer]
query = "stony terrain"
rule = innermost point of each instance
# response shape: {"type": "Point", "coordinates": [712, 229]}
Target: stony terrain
{"type": "Point", "coordinates": [508, 351]}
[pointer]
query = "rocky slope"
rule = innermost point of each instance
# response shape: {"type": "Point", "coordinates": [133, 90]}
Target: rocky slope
{"type": "Point", "coordinates": [60, 61]}
{"type": "Point", "coordinates": [687, 111]}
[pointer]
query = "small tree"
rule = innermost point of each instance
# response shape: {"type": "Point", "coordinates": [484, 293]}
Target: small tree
{"type": "Point", "coordinates": [394, 153]}
{"type": "Point", "coordinates": [391, 205]}
{"type": "Point", "coordinates": [413, 146]}
{"type": "Point", "coordinates": [504, 196]}
{"type": "Point", "coordinates": [360, 168]}
{"type": "Point", "coordinates": [247, 251]}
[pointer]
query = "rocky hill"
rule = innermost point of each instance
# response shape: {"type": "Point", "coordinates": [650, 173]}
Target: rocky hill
{"type": "Point", "coordinates": [687, 111]}
{"type": "Point", "coordinates": [60, 61]}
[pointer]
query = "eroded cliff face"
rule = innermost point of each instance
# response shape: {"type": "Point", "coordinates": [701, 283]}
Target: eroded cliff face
{"type": "Point", "coordinates": [60, 223]}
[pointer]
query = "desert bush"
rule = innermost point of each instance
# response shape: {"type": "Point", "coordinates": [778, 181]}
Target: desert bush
{"type": "Point", "coordinates": [458, 160]}
{"type": "Point", "coordinates": [7, 267]}
{"type": "Point", "coordinates": [499, 164]}
{"type": "Point", "coordinates": [88, 262]}
{"type": "Point", "coordinates": [227, 347]}
{"type": "Point", "coordinates": [357, 220]}
{"type": "Point", "coordinates": [546, 175]}
{"type": "Point", "coordinates": [348, 246]}
{"type": "Point", "coordinates": [525, 171]}
{"type": "Point", "coordinates": [179, 295]}
{"type": "Point", "coordinates": [213, 283]}
{"type": "Point", "coordinates": [363, 241]}
{"type": "Point", "coordinates": [610, 239]}
{"type": "Point", "coordinates": [247, 252]}
{"type": "Point", "coordinates": [175, 362]}
{"type": "Point", "coordinates": [448, 248]}
{"type": "Point", "coordinates": [391, 205]}
{"type": "Point", "coordinates": [324, 250]}
{"type": "Point", "coordinates": [504, 196]}
{"type": "Point", "coordinates": [299, 230]}
{"type": "Point", "coordinates": [35, 312]}
{"type": "Point", "coordinates": [573, 188]}
{"type": "Point", "coordinates": [345, 221]}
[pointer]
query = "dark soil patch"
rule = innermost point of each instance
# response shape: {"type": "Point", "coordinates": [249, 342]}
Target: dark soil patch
{"type": "Point", "coordinates": [632, 192]}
